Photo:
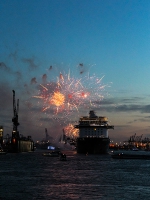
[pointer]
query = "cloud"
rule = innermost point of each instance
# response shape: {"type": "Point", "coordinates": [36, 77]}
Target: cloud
{"type": "Point", "coordinates": [133, 108]}
{"type": "Point", "coordinates": [147, 118]}
{"type": "Point", "coordinates": [106, 102]}
{"type": "Point", "coordinates": [146, 109]}
{"type": "Point", "coordinates": [127, 108]}
{"type": "Point", "coordinates": [132, 99]}
{"type": "Point", "coordinates": [133, 104]}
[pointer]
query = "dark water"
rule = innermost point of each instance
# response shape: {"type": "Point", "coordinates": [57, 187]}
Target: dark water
{"type": "Point", "coordinates": [33, 176]}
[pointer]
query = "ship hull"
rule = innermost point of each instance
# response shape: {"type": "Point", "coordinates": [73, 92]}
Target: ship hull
{"type": "Point", "coordinates": [93, 145]}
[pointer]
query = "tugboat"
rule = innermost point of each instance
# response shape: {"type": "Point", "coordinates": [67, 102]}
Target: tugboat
{"type": "Point", "coordinates": [62, 157]}
{"type": "Point", "coordinates": [93, 134]}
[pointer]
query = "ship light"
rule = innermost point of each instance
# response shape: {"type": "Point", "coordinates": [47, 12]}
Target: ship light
{"type": "Point", "coordinates": [94, 129]}
{"type": "Point", "coordinates": [51, 148]}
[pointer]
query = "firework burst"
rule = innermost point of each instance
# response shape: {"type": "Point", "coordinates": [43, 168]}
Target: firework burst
{"type": "Point", "coordinates": [68, 94]}
{"type": "Point", "coordinates": [70, 131]}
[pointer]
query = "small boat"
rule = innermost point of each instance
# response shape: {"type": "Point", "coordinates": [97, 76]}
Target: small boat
{"type": "Point", "coordinates": [62, 157]}
{"type": "Point", "coordinates": [52, 154]}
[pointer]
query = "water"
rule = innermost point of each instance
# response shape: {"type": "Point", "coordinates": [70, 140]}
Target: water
{"type": "Point", "coordinates": [29, 176]}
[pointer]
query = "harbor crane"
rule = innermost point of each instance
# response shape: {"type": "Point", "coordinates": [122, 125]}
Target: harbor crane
{"type": "Point", "coordinates": [15, 132]}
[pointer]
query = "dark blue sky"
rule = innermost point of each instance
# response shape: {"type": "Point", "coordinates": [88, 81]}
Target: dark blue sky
{"type": "Point", "coordinates": [110, 38]}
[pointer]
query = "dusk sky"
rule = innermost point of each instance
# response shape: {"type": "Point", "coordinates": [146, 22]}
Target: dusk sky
{"type": "Point", "coordinates": [97, 51]}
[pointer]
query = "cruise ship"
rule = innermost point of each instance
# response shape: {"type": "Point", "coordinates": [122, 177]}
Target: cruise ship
{"type": "Point", "coordinates": [93, 134]}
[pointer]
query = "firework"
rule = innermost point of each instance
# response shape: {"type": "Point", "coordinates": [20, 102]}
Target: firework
{"type": "Point", "coordinates": [68, 94]}
{"type": "Point", "coordinates": [71, 132]}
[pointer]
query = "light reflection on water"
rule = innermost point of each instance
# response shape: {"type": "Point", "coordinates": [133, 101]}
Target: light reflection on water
{"type": "Point", "coordinates": [33, 176]}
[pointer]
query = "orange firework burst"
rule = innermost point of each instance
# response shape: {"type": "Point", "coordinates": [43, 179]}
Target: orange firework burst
{"type": "Point", "coordinates": [69, 94]}
{"type": "Point", "coordinates": [57, 99]}
{"type": "Point", "coordinates": [70, 131]}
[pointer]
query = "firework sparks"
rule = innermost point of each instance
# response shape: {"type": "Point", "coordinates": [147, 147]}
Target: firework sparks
{"type": "Point", "coordinates": [71, 132]}
{"type": "Point", "coordinates": [43, 87]}
{"type": "Point", "coordinates": [68, 94]}
{"type": "Point", "coordinates": [57, 99]}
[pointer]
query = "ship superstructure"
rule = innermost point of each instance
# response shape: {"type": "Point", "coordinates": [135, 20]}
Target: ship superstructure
{"type": "Point", "coordinates": [93, 134]}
